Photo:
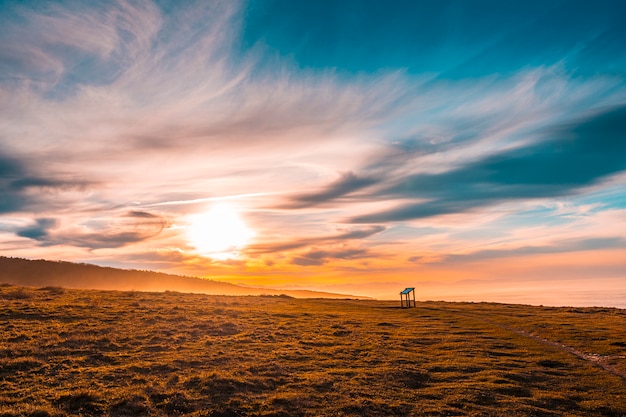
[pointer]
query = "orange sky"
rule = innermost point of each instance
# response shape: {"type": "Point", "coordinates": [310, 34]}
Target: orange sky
{"type": "Point", "coordinates": [291, 144]}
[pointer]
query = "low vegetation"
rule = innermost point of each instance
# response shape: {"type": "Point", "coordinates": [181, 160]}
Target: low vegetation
{"type": "Point", "coordinates": [106, 353]}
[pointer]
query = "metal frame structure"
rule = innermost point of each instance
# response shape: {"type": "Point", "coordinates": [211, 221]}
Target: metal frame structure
{"type": "Point", "coordinates": [405, 298]}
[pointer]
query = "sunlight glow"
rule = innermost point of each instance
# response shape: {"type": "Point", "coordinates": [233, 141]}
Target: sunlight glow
{"type": "Point", "coordinates": [219, 232]}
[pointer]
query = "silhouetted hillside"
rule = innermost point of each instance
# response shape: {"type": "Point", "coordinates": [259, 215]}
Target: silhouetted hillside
{"type": "Point", "coordinates": [42, 273]}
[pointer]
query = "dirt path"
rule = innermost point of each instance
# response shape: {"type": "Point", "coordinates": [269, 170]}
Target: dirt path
{"type": "Point", "coordinates": [598, 360]}
{"type": "Point", "coordinates": [601, 361]}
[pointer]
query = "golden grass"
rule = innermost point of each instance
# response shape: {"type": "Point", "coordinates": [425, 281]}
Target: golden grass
{"type": "Point", "coordinates": [76, 352]}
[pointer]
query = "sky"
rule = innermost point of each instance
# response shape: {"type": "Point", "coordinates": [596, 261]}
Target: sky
{"type": "Point", "coordinates": [470, 149]}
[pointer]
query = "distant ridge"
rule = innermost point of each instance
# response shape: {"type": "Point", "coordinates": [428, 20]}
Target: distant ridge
{"type": "Point", "coordinates": [43, 273]}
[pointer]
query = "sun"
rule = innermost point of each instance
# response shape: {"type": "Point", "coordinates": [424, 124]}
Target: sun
{"type": "Point", "coordinates": [219, 232]}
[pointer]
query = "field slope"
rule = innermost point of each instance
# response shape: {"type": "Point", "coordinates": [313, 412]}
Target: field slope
{"type": "Point", "coordinates": [79, 352]}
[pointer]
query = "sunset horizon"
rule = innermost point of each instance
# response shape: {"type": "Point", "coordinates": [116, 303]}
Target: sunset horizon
{"type": "Point", "coordinates": [473, 150]}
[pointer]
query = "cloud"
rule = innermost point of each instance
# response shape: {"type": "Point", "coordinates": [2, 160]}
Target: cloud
{"type": "Point", "coordinates": [10, 170]}
{"type": "Point", "coordinates": [23, 187]}
{"type": "Point", "coordinates": [304, 261]}
{"type": "Point", "coordinates": [47, 183]}
{"type": "Point", "coordinates": [97, 39]}
{"type": "Point", "coordinates": [565, 246]}
{"type": "Point", "coordinates": [321, 257]}
{"type": "Point", "coordinates": [141, 215]}
{"type": "Point", "coordinates": [563, 161]}
{"type": "Point", "coordinates": [154, 92]}
{"type": "Point", "coordinates": [39, 230]}
{"type": "Point", "coordinates": [9, 167]}
{"type": "Point", "coordinates": [96, 232]}
{"type": "Point", "coordinates": [347, 183]}
{"type": "Point", "coordinates": [361, 233]}
{"type": "Point", "coordinates": [128, 228]}
{"type": "Point", "coordinates": [298, 243]}
{"type": "Point", "coordinates": [105, 239]}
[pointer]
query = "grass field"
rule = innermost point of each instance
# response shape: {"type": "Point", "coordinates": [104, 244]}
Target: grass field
{"type": "Point", "coordinates": [77, 352]}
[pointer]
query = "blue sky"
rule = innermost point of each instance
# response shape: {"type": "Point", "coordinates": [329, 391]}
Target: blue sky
{"type": "Point", "coordinates": [447, 39]}
{"type": "Point", "coordinates": [360, 144]}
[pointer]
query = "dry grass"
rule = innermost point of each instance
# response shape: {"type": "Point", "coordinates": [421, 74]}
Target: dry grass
{"type": "Point", "coordinates": [96, 353]}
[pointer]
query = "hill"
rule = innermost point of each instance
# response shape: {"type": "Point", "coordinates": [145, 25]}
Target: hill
{"type": "Point", "coordinates": [43, 273]}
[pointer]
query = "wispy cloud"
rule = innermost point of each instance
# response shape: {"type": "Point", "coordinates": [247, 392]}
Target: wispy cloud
{"type": "Point", "coordinates": [297, 243]}
{"type": "Point", "coordinates": [97, 232]}
{"type": "Point", "coordinates": [210, 199]}
{"type": "Point", "coordinates": [320, 257]}
{"type": "Point", "coordinates": [567, 246]}
{"type": "Point", "coordinates": [37, 231]}
{"type": "Point", "coordinates": [564, 160]}
{"type": "Point", "coordinates": [120, 120]}
{"type": "Point", "coordinates": [346, 184]}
